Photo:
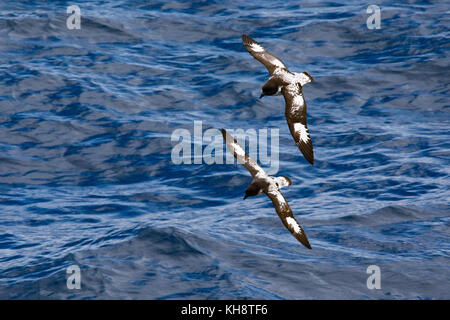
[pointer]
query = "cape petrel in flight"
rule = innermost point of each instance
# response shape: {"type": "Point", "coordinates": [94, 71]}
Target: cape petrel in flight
{"type": "Point", "coordinates": [263, 183]}
{"type": "Point", "coordinates": [290, 85]}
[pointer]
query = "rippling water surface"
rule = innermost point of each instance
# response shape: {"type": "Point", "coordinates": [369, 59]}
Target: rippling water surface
{"type": "Point", "coordinates": [86, 177]}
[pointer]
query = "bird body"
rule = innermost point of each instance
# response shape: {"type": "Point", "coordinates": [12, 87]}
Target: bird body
{"type": "Point", "coordinates": [263, 183]}
{"type": "Point", "coordinates": [290, 85]}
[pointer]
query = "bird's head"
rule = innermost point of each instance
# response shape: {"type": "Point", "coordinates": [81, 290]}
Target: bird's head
{"type": "Point", "coordinates": [269, 89]}
{"type": "Point", "coordinates": [251, 191]}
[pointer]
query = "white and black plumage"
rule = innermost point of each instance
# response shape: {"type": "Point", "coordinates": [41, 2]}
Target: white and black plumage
{"type": "Point", "coordinates": [290, 85]}
{"type": "Point", "coordinates": [263, 183]}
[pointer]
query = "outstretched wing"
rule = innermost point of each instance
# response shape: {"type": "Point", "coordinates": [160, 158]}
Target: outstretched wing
{"type": "Point", "coordinates": [295, 112]}
{"type": "Point", "coordinates": [285, 214]}
{"type": "Point", "coordinates": [270, 61]}
{"type": "Point", "coordinates": [242, 156]}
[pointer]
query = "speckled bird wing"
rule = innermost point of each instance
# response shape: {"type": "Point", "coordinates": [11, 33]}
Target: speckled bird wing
{"type": "Point", "coordinates": [243, 158]}
{"type": "Point", "coordinates": [258, 52]}
{"type": "Point", "coordinates": [286, 216]}
{"type": "Point", "coordinates": [295, 112]}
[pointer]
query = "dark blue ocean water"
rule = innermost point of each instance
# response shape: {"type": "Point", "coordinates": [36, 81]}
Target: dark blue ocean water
{"type": "Point", "coordinates": [86, 176]}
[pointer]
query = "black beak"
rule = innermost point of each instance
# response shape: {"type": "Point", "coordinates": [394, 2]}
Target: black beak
{"type": "Point", "coordinates": [245, 197]}
{"type": "Point", "coordinates": [262, 95]}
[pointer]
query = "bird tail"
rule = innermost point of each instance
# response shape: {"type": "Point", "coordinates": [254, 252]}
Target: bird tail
{"type": "Point", "coordinates": [304, 78]}
{"type": "Point", "coordinates": [283, 181]}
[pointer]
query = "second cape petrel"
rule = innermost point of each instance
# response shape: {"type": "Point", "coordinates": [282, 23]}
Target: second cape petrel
{"type": "Point", "coordinates": [263, 183]}
{"type": "Point", "coordinates": [290, 85]}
